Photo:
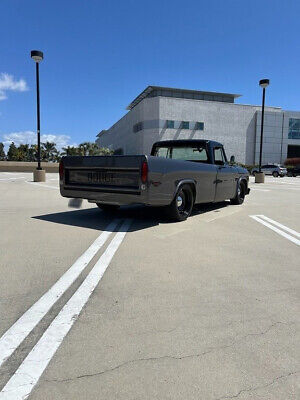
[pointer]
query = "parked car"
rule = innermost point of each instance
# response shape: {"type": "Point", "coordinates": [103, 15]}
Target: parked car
{"type": "Point", "coordinates": [271, 169]}
{"type": "Point", "coordinates": [177, 175]}
{"type": "Point", "coordinates": [293, 171]}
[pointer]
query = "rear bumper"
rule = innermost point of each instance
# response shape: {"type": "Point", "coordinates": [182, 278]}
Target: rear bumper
{"type": "Point", "coordinates": [116, 198]}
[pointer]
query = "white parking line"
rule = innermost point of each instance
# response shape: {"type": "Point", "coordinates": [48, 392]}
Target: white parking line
{"type": "Point", "coordinates": [27, 375]}
{"type": "Point", "coordinates": [280, 225]}
{"type": "Point", "coordinates": [259, 218]}
{"type": "Point", "coordinates": [15, 335]}
{"type": "Point", "coordinates": [42, 184]}
{"type": "Point", "coordinates": [282, 187]}
{"type": "Point", "coordinates": [10, 173]}
{"type": "Point", "coordinates": [12, 179]}
{"type": "Point", "coordinates": [259, 190]}
{"type": "Point", "coordinates": [286, 183]}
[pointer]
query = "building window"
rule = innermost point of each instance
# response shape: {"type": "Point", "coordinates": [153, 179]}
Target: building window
{"type": "Point", "coordinates": [199, 126]}
{"type": "Point", "coordinates": [185, 125]}
{"type": "Point", "coordinates": [293, 151]}
{"type": "Point", "coordinates": [137, 127]}
{"type": "Point", "coordinates": [294, 128]}
{"type": "Point", "coordinates": [170, 124]}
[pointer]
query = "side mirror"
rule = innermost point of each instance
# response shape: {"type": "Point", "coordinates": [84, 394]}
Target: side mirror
{"type": "Point", "coordinates": [232, 160]}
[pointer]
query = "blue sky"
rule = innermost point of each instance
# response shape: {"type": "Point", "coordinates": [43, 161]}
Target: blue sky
{"type": "Point", "coordinates": [100, 54]}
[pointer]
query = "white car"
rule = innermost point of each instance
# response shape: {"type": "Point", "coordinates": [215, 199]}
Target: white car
{"type": "Point", "coordinates": [271, 169]}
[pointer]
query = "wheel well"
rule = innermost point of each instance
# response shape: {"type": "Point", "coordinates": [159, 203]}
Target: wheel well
{"type": "Point", "coordinates": [192, 186]}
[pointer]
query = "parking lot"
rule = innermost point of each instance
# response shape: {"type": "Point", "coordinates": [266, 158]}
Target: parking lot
{"type": "Point", "coordinates": [130, 306]}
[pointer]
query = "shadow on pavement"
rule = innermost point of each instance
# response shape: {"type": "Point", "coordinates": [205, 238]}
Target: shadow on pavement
{"type": "Point", "coordinates": [144, 217]}
{"type": "Point", "coordinates": [93, 218]}
{"type": "Point", "coordinates": [204, 208]}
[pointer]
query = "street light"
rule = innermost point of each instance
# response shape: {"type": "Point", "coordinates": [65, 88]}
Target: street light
{"type": "Point", "coordinates": [39, 173]}
{"type": "Point", "coordinates": [263, 83]}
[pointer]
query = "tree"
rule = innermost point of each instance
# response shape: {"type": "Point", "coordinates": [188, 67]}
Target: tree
{"type": "Point", "coordinates": [70, 151]}
{"type": "Point", "coordinates": [84, 148]}
{"type": "Point", "coordinates": [92, 149]}
{"type": "Point", "coordinates": [104, 151]}
{"type": "Point", "coordinates": [22, 152]}
{"type": "Point", "coordinates": [12, 152]}
{"type": "Point", "coordinates": [49, 151]}
{"type": "Point", "coordinates": [2, 152]}
{"type": "Point", "coordinates": [32, 153]}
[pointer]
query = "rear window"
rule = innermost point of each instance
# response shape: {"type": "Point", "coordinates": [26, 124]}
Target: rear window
{"type": "Point", "coordinates": [186, 153]}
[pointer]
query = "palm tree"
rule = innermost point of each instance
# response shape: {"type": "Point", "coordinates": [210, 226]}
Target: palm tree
{"type": "Point", "coordinates": [104, 151]}
{"type": "Point", "coordinates": [93, 149]}
{"type": "Point", "coordinates": [49, 151]}
{"type": "Point", "coordinates": [84, 148]}
{"type": "Point", "coordinates": [70, 151]}
{"type": "Point", "coordinates": [32, 153]}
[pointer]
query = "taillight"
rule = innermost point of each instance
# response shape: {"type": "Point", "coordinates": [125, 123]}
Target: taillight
{"type": "Point", "coordinates": [144, 174]}
{"type": "Point", "coordinates": [61, 170]}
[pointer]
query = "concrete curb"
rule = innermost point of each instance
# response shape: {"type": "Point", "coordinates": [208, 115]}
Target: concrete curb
{"type": "Point", "coordinates": [21, 166]}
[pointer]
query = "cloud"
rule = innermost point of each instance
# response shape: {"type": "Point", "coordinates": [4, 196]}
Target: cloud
{"type": "Point", "coordinates": [30, 137]}
{"type": "Point", "coordinates": [7, 82]}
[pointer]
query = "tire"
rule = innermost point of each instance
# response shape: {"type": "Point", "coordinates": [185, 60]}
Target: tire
{"type": "Point", "coordinates": [182, 205]}
{"type": "Point", "coordinates": [240, 194]}
{"type": "Point", "coordinates": [290, 174]}
{"type": "Point", "coordinates": [109, 208]}
{"type": "Point", "coordinates": [275, 174]}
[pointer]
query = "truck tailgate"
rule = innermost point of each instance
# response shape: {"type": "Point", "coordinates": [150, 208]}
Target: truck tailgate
{"type": "Point", "coordinates": [118, 174]}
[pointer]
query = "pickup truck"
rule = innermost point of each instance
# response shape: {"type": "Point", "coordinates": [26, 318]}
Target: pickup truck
{"type": "Point", "coordinates": [177, 175]}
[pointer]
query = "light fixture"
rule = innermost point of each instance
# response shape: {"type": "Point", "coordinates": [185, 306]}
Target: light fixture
{"type": "Point", "coordinates": [263, 83]}
{"type": "Point", "coordinates": [37, 55]}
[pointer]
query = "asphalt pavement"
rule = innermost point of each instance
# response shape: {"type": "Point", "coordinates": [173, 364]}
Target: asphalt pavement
{"type": "Point", "coordinates": [129, 306]}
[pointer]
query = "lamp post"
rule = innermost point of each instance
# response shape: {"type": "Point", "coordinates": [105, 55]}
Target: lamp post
{"type": "Point", "coordinates": [263, 83]}
{"type": "Point", "coordinates": [39, 173]}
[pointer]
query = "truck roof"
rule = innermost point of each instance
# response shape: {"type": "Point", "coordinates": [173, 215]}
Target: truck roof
{"type": "Point", "coordinates": [180, 142]}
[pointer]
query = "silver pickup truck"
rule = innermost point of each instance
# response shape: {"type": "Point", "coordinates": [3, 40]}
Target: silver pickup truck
{"type": "Point", "coordinates": [177, 175]}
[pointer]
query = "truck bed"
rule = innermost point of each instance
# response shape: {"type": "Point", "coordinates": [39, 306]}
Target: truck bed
{"type": "Point", "coordinates": [96, 177]}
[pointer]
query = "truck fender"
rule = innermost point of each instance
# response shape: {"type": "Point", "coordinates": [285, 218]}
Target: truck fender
{"type": "Point", "coordinates": [183, 182]}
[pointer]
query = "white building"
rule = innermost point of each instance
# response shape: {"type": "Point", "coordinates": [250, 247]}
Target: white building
{"type": "Point", "coordinates": [160, 113]}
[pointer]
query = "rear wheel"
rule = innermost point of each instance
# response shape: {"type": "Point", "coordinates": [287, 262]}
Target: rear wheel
{"type": "Point", "coordinates": [182, 205]}
{"type": "Point", "coordinates": [275, 174]}
{"type": "Point", "coordinates": [240, 194]}
{"type": "Point", "coordinates": [110, 208]}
